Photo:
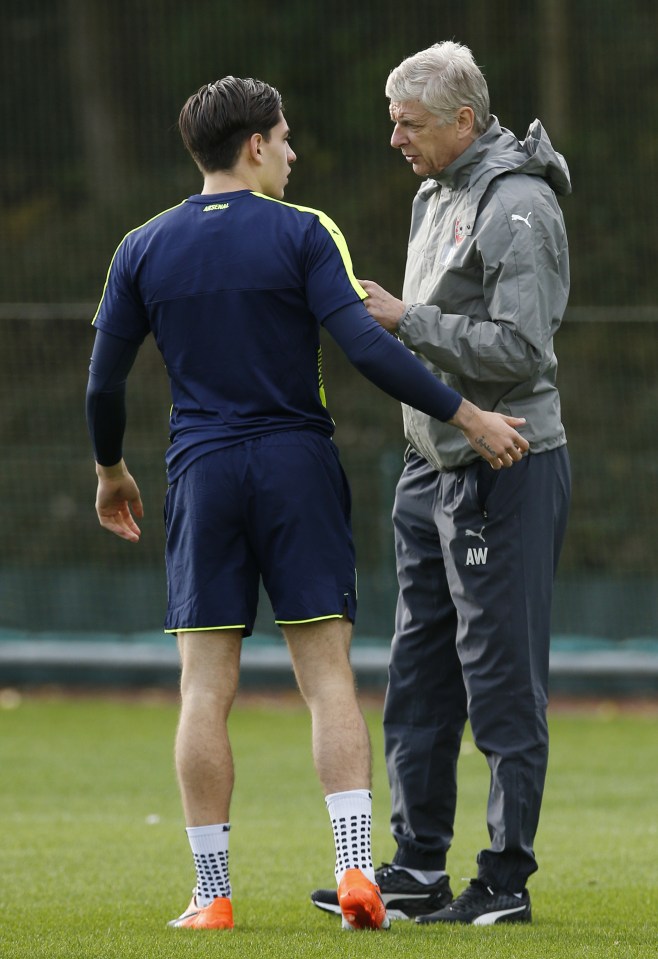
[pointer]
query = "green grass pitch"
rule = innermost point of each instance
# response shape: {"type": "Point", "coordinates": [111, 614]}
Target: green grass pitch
{"type": "Point", "coordinates": [95, 860]}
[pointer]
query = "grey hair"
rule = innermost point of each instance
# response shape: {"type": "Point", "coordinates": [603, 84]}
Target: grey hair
{"type": "Point", "coordinates": [443, 78]}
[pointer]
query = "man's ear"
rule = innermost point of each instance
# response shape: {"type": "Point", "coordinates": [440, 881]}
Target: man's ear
{"type": "Point", "coordinates": [465, 122]}
{"type": "Point", "coordinates": [255, 151]}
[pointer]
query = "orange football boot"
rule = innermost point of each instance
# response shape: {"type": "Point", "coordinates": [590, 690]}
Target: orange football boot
{"type": "Point", "coordinates": [218, 915]}
{"type": "Point", "coordinates": [360, 902]}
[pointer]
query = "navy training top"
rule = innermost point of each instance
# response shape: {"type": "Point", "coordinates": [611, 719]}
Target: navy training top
{"type": "Point", "coordinates": [234, 288]}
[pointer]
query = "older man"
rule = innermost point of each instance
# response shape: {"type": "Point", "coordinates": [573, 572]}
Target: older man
{"type": "Point", "coordinates": [485, 289]}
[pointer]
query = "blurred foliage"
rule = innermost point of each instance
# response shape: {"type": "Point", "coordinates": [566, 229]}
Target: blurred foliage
{"type": "Point", "coordinates": [90, 95]}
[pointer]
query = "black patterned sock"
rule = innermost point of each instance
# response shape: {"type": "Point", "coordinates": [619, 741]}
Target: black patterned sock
{"type": "Point", "coordinates": [351, 820]}
{"type": "Point", "coordinates": [209, 846]}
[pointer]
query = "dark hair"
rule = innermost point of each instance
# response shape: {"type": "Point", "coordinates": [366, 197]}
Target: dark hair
{"type": "Point", "coordinates": [217, 119]}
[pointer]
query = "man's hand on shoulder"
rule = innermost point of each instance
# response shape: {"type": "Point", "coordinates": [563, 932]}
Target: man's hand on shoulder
{"type": "Point", "coordinates": [492, 435]}
{"type": "Point", "coordinates": [382, 306]}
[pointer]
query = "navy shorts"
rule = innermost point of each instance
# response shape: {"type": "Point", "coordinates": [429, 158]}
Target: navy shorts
{"type": "Point", "coordinates": [277, 507]}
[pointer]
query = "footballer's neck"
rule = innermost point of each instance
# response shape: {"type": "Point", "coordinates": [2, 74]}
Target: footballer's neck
{"type": "Point", "coordinates": [224, 181]}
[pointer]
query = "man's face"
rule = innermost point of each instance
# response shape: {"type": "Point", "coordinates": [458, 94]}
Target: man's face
{"type": "Point", "coordinates": [428, 147]}
{"type": "Point", "coordinates": [278, 158]}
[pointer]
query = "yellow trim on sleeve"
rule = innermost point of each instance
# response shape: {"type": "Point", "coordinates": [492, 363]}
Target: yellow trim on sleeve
{"type": "Point", "coordinates": [336, 235]}
{"type": "Point", "coordinates": [107, 278]}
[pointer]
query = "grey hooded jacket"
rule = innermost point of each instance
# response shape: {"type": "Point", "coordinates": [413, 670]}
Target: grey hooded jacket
{"type": "Point", "coordinates": [487, 278]}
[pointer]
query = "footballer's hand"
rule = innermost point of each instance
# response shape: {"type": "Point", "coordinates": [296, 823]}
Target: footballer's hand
{"type": "Point", "coordinates": [118, 501]}
{"type": "Point", "coordinates": [492, 435]}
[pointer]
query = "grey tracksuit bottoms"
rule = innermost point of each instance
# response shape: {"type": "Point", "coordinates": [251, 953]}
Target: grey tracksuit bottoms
{"type": "Point", "coordinates": [476, 556]}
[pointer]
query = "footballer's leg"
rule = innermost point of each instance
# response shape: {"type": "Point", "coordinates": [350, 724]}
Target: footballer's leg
{"type": "Point", "coordinates": [341, 752]}
{"type": "Point", "coordinates": [204, 763]}
{"type": "Point", "coordinates": [210, 668]}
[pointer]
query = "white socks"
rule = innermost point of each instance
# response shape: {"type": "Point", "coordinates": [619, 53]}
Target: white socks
{"type": "Point", "coordinates": [209, 846]}
{"type": "Point", "coordinates": [351, 819]}
{"type": "Point", "coordinates": [426, 876]}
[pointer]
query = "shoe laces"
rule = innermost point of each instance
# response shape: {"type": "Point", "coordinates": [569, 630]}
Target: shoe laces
{"type": "Point", "coordinates": [472, 895]}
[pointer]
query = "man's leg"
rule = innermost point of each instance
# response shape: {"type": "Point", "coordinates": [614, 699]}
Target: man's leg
{"type": "Point", "coordinates": [341, 753]}
{"type": "Point", "coordinates": [204, 763]}
{"type": "Point", "coordinates": [504, 548]}
{"type": "Point", "coordinates": [341, 743]}
{"type": "Point", "coordinates": [425, 708]}
{"type": "Point", "coordinates": [424, 712]}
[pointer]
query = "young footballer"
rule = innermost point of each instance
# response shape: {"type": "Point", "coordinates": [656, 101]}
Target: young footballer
{"type": "Point", "coordinates": [234, 285]}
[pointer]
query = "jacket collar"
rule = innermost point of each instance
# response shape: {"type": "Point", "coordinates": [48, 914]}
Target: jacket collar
{"type": "Point", "coordinates": [460, 170]}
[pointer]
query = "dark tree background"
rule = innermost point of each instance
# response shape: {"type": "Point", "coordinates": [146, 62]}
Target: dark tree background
{"type": "Point", "coordinates": [90, 92]}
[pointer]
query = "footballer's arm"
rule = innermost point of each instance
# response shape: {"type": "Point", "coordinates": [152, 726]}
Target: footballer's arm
{"type": "Point", "coordinates": [393, 368]}
{"type": "Point", "coordinates": [118, 499]}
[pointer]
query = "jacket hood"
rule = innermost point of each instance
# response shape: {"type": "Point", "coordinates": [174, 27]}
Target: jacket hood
{"type": "Point", "coordinates": [542, 160]}
{"type": "Point", "coordinates": [498, 151]}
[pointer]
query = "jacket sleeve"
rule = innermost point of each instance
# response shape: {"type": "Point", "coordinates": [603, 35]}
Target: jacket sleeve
{"type": "Point", "coordinates": [521, 253]}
